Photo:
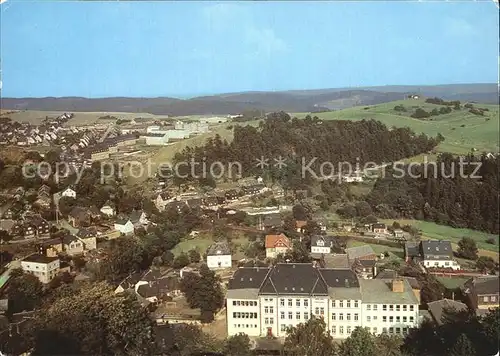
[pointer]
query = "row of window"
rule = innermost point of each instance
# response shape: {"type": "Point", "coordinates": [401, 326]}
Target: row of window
{"type": "Point", "coordinates": [348, 304]}
{"type": "Point", "coordinates": [245, 303]}
{"type": "Point", "coordinates": [268, 310]}
{"type": "Point", "coordinates": [297, 315]}
{"type": "Point", "coordinates": [248, 326]}
{"type": "Point", "coordinates": [245, 315]}
{"type": "Point", "coordinates": [269, 321]}
{"type": "Point", "coordinates": [492, 298]}
{"type": "Point", "coordinates": [392, 307]}
{"type": "Point", "coordinates": [298, 303]}
{"type": "Point", "coordinates": [398, 319]}
{"type": "Point", "coordinates": [347, 316]}
{"type": "Point", "coordinates": [349, 329]}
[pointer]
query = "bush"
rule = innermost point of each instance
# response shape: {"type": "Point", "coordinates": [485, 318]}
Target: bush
{"type": "Point", "coordinates": [491, 241]}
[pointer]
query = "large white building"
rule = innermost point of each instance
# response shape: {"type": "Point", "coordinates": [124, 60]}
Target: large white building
{"type": "Point", "coordinates": [431, 254]}
{"type": "Point", "coordinates": [265, 301]}
{"type": "Point", "coordinates": [43, 267]}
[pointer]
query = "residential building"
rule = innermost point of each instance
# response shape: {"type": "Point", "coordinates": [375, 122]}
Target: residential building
{"type": "Point", "coordinates": [300, 225]}
{"type": "Point", "coordinates": [265, 301]}
{"type": "Point", "coordinates": [139, 218]}
{"type": "Point", "coordinates": [398, 233]}
{"type": "Point", "coordinates": [108, 208]}
{"type": "Point", "coordinates": [379, 228]}
{"type": "Point", "coordinates": [219, 256]}
{"type": "Point", "coordinates": [125, 226]}
{"type": "Point", "coordinates": [362, 260]}
{"type": "Point", "coordinates": [277, 244]}
{"type": "Point", "coordinates": [437, 254]}
{"type": "Point", "coordinates": [79, 217]}
{"type": "Point", "coordinates": [439, 308]}
{"type": "Point", "coordinates": [43, 267]}
{"type": "Point", "coordinates": [321, 244]}
{"type": "Point", "coordinates": [482, 293]}
{"type": "Point", "coordinates": [162, 199]}
{"type": "Point", "coordinates": [271, 221]}
{"type": "Point", "coordinates": [68, 192]}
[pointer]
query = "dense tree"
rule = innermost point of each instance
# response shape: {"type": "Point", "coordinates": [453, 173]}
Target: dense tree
{"type": "Point", "coordinates": [238, 345]}
{"type": "Point", "coordinates": [194, 256]}
{"type": "Point", "coordinates": [4, 236]}
{"type": "Point", "coordinates": [95, 321]}
{"type": "Point", "coordinates": [24, 290]}
{"type": "Point", "coordinates": [203, 291]}
{"type": "Point", "coordinates": [439, 192]}
{"type": "Point", "coordinates": [363, 209]}
{"type": "Point", "coordinates": [359, 343]}
{"type": "Point", "coordinates": [181, 261]}
{"type": "Point", "coordinates": [467, 248]}
{"type": "Point", "coordinates": [463, 347]}
{"type": "Point", "coordinates": [310, 339]}
{"type": "Point", "coordinates": [486, 264]}
{"type": "Point", "coordinates": [124, 256]}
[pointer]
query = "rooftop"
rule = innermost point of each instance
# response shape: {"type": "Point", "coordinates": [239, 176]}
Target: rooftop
{"type": "Point", "coordinates": [219, 248]}
{"type": "Point", "coordinates": [436, 248]}
{"type": "Point", "coordinates": [359, 251]}
{"type": "Point", "coordinates": [439, 308]}
{"type": "Point", "coordinates": [37, 258]}
{"type": "Point", "coordinates": [380, 291]}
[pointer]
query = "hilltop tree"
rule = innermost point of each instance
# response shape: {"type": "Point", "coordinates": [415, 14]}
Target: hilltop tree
{"type": "Point", "coordinates": [310, 339]}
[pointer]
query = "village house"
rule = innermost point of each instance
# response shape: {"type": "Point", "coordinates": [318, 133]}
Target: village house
{"type": "Point", "coordinates": [177, 205]}
{"type": "Point", "coordinates": [321, 244]}
{"type": "Point", "coordinates": [277, 244]}
{"type": "Point", "coordinates": [210, 203]}
{"type": "Point", "coordinates": [362, 260]}
{"type": "Point", "coordinates": [379, 229]}
{"type": "Point", "coordinates": [431, 254]}
{"type": "Point", "coordinates": [139, 218]}
{"type": "Point", "coordinates": [231, 195]}
{"type": "Point", "coordinates": [108, 208]}
{"type": "Point", "coordinates": [68, 192]}
{"type": "Point", "coordinates": [88, 238]}
{"type": "Point", "coordinates": [219, 256]}
{"type": "Point", "coordinates": [124, 226]}
{"type": "Point", "coordinates": [271, 221]}
{"type": "Point", "coordinates": [43, 267]}
{"type": "Point", "coordinates": [439, 308]}
{"type": "Point", "coordinates": [162, 199]}
{"type": "Point", "coordinates": [300, 225]}
{"type": "Point", "coordinates": [482, 293]}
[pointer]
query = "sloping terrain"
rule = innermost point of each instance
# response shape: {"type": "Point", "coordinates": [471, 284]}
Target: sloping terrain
{"type": "Point", "coordinates": [233, 103]}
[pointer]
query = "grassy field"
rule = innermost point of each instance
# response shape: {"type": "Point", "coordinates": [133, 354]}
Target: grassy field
{"type": "Point", "coordinates": [431, 230]}
{"type": "Point", "coordinates": [202, 243]}
{"type": "Point", "coordinates": [395, 253]}
{"type": "Point", "coordinates": [479, 132]}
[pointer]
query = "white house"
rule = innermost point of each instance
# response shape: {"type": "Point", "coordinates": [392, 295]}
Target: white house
{"type": "Point", "coordinates": [265, 301]}
{"type": "Point", "coordinates": [321, 244]}
{"type": "Point", "coordinates": [43, 267]}
{"type": "Point", "coordinates": [125, 226]}
{"type": "Point", "coordinates": [437, 254]}
{"type": "Point", "coordinates": [68, 192]}
{"type": "Point", "coordinates": [108, 209]}
{"type": "Point", "coordinates": [219, 256]}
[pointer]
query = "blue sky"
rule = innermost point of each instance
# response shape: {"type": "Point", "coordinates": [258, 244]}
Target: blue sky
{"type": "Point", "coordinates": [97, 49]}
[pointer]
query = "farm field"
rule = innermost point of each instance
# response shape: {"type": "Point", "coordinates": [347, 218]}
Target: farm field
{"type": "Point", "coordinates": [462, 130]}
{"type": "Point", "coordinates": [432, 230]}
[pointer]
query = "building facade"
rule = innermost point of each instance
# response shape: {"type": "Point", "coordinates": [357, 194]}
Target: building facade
{"type": "Point", "coordinates": [266, 301]}
{"type": "Point", "coordinates": [43, 267]}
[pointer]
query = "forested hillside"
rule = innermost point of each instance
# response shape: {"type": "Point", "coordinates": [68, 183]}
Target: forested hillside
{"type": "Point", "coordinates": [441, 194]}
{"type": "Point", "coordinates": [300, 141]}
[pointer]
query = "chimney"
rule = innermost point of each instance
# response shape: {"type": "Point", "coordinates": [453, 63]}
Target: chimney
{"type": "Point", "coordinates": [398, 286]}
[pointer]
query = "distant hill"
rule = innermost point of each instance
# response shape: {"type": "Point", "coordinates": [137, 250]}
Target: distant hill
{"type": "Point", "coordinates": [232, 103]}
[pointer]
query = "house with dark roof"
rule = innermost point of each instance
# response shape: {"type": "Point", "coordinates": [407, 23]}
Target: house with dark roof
{"type": "Point", "coordinates": [124, 225]}
{"type": "Point", "coordinates": [271, 221]}
{"type": "Point", "coordinates": [437, 254]}
{"type": "Point", "coordinates": [219, 256]}
{"type": "Point", "coordinates": [277, 244]}
{"type": "Point", "coordinates": [322, 244]}
{"type": "Point", "coordinates": [482, 293]}
{"type": "Point", "coordinates": [412, 252]}
{"type": "Point", "coordinates": [210, 203]}
{"type": "Point", "coordinates": [267, 301]}
{"type": "Point", "coordinates": [139, 218]}
{"type": "Point", "coordinates": [439, 309]}
{"type": "Point", "coordinates": [176, 205]}
{"type": "Point", "coordinates": [379, 228]}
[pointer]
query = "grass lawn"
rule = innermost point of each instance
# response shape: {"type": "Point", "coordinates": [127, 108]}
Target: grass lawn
{"type": "Point", "coordinates": [432, 230]}
{"type": "Point", "coordinates": [462, 130]}
{"type": "Point", "coordinates": [202, 243]}
{"type": "Point", "coordinates": [395, 253]}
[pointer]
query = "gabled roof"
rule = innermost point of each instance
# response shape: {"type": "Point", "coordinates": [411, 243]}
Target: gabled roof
{"type": "Point", "coordinates": [78, 213]}
{"type": "Point", "coordinates": [122, 221]}
{"type": "Point", "coordinates": [412, 249]}
{"type": "Point", "coordinates": [484, 285]}
{"type": "Point", "coordinates": [322, 241]}
{"type": "Point", "coordinates": [194, 203]}
{"type": "Point", "coordinates": [294, 278]}
{"type": "Point", "coordinates": [248, 278]}
{"type": "Point", "coordinates": [436, 248]}
{"type": "Point", "coordinates": [359, 252]}
{"type": "Point", "coordinates": [281, 240]}
{"type": "Point", "coordinates": [135, 216]}
{"type": "Point", "coordinates": [272, 220]}
{"type": "Point", "coordinates": [85, 233]}
{"type": "Point", "coordinates": [219, 248]}
{"type": "Point", "coordinates": [439, 308]}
